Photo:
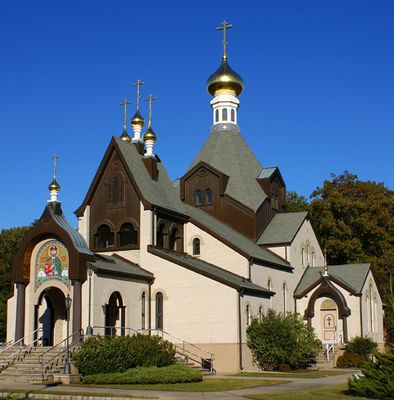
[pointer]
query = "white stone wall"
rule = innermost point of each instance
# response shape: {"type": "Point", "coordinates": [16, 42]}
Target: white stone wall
{"type": "Point", "coordinates": [11, 313]}
{"type": "Point", "coordinates": [84, 224]}
{"type": "Point", "coordinates": [214, 251]}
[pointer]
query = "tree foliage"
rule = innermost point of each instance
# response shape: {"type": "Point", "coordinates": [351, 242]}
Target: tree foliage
{"type": "Point", "coordinates": [281, 339]}
{"type": "Point", "coordinates": [9, 242]}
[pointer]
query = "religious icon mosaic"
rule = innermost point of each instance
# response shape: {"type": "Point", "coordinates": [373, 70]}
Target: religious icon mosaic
{"type": "Point", "coordinates": [52, 262]}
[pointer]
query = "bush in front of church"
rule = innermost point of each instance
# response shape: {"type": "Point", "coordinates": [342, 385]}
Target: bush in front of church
{"type": "Point", "coordinates": [364, 346]}
{"type": "Point", "coordinates": [377, 379]}
{"type": "Point", "coordinates": [147, 375]}
{"type": "Point", "coordinates": [350, 360]}
{"type": "Point", "coordinates": [281, 339]}
{"type": "Point", "coordinates": [102, 355]}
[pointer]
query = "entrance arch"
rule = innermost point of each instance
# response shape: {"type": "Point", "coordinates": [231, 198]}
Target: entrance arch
{"type": "Point", "coordinates": [115, 315]}
{"type": "Point", "coordinates": [50, 315]}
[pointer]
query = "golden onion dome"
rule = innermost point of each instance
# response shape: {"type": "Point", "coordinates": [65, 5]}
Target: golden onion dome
{"type": "Point", "coordinates": [226, 79]}
{"type": "Point", "coordinates": [54, 185]}
{"type": "Point", "coordinates": [150, 135]}
{"type": "Point", "coordinates": [138, 119]}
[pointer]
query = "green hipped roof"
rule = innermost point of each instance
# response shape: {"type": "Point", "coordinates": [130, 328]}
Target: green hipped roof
{"type": "Point", "coordinates": [282, 228]}
{"type": "Point", "coordinates": [353, 275]}
{"type": "Point", "coordinates": [212, 271]}
{"type": "Point", "coordinates": [159, 193]}
{"type": "Point", "coordinates": [226, 150]}
{"type": "Point", "coordinates": [119, 266]}
{"type": "Point", "coordinates": [234, 238]}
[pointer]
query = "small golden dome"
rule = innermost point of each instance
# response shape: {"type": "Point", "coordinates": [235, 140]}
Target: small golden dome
{"type": "Point", "coordinates": [149, 135]}
{"type": "Point", "coordinates": [226, 79]}
{"type": "Point", "coordinates": [54, 185]}
{"type": "Point", "coordinates": [125, 137]}
{"type": "Point", "coordinates": [138, 119]}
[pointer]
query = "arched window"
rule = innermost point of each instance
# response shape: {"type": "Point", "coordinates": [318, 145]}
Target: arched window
{"type": "Point", "coordinates": [232, 115]}
{"type": "Point", "coordinates": [160, 236]}
{"type": "Point", "coordinates": [248, 315]}
{"type": "Point", "coordinates": [307, 254]}
{"type": "Point", "coordinates": [128, 234]}
{"type": "Point", "coordinates": [196, 247]}
{"type": "Point", "coordinates": [313, 259]}
{"type": "Point", "coordinates": [260, 313]}
{"type": "Point", "coordinates": [143, 311]}
{"type": "Point", "coordinates": [216, 115]}
{"type": "Point", "coordinates": [104, 237]}
{"type": "Point", "coordinates": [302, 256]}
{"type": "Point", "coordinates": [198, 198]}
{"type": "Point", "coordinates": [174, 237]}
{"type": "Point", "coordinates": [159, 311]}
{"type": "Point", "coordinates": [371, 308]}
{"type": "Point", "coordinates": [208, 197]}
{"type": "Point", "coordinates": [284, 297]}
{"type": "Point", "coordinates": [269, 284]}
{"type": "Point", "coordinates": [224, 114]}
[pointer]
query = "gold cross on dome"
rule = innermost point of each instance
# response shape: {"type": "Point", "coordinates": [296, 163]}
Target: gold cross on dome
{"type": "Point", "coordinates": [223, 27]}
{"type": "Point", "coordinates": [138, 84]}
{"type": "Point", "coordinates": [55, 158]}
{"type": "Point", "coordinates": [124, 103]}
{"type": "Point", "coordinates": [150, 99]}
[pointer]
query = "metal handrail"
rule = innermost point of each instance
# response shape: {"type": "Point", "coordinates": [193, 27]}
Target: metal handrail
{"type": "Point", "coordinates": [183, 349]}
{"type": "Point", "coordinates": [21, 340]}
{"type": "Point", "coordinates": [337, 338]}
{"type": "Point", "coordinates": [41, 358]}
{"type": "Point", "coordinates": [114, 328]}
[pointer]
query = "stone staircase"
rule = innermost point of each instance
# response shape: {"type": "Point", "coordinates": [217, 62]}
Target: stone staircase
{"type": "Point", "coordinates": [321, 359]}
{"type": "Point", "coordinates": [180, 359]}
{"type": "Point", "coordinates": [28, 367]}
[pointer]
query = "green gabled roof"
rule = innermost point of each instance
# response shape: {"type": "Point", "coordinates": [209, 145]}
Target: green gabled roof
{"type": "Point", "coordinates": [116, 265]}
{"type": "Point", "coordinates": [282, 228]}
{"type": "Point", "coordinates": [352, 275]}
{"type": "Point", "coordinates": [159, 193]}
{"type": "Point", "coordinates": [234, 239]}
{"type": "Point", "coordinates": [227, 151]}
{"type": "Point", "coordinates": [212, 271]}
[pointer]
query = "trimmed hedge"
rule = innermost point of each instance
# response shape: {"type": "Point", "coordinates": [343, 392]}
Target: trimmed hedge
{"type": "Point", "coordinates": [147, 375]}
{"type": "Point", "coordinates": [100, 355]}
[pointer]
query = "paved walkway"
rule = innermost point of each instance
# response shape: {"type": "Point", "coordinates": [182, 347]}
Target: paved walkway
{"type": "Point", "coordinates": [295, 384]}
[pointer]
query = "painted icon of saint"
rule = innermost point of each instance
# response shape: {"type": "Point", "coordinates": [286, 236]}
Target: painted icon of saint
{"type": "Point", "coordinates": [53, 265]}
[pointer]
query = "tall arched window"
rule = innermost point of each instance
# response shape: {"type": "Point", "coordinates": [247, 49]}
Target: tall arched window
{"type": "Point", "coordinates": [198, 198]}
{"type": "Point", "coordinates": [143, 311]}
{"type": "Point", "coordinates": [284, 288]}
{"type": "Point", "coordinates": [104, 237]}
{"type": "Point", "coordinates": [159, 311]}
{"type": "Point", "coordinates": [196, 247]}
{"type": "Point", "coordinates": [248, 315]}
{"type": "Point", "coordinates": [260, 313]}
{"type": "Point", "coordinates": [128, 234]}
{"type": "Point", "coordinates": [208, 197]}
{"type": "Point", "coordinates": [232, 115]}
{"type": "Point", "coordinates": [307, 254]}
{"type": "Point", "coordinates": [371, 308]}
{"type": "Point", "coordinates": [224, 114]}
{"type": "Point", "coordinates": [160, 236]}
{"type": "Point", "coordinates": [216, 115]}
{"type": "Point", "coordinates": [313, 259]}
{"type": "Point", "coordinates": [302, 256]}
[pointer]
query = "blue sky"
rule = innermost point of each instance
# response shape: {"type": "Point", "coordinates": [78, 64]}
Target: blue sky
{"type": "Point", "coordinates": [318, 98]}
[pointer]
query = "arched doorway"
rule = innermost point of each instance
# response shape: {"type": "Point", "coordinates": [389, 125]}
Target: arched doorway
{"type": "Point", "coordinates": [328, 319]}
{"type": "Point", "coordinates": [115, 315]}
{"type": "Point", "coordinates": [50, 316]}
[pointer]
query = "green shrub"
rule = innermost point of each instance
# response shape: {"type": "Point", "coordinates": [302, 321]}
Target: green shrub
{"type": "Point", "coordinates": [284, 367]}
{"type": "Point", "coordinates": [118, 354]}
{"type": "Point", "coordinates": [281, 339]}
{"type": "Point", "coordinates": [361, 345]}
{"type": "Point", "coordinates": [350, 360]}
{"type": "Point", "coordinates": [378, 379]}
{"type": "Point", "coordinates": [147, 375]}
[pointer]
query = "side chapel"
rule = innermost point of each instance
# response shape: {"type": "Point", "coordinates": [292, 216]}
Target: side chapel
{"type": "Point", "coordinates": [195, 259]}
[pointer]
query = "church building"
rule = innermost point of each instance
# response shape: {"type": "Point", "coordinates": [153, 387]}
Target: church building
{"type": "Point", "coordinates": [192, 260]}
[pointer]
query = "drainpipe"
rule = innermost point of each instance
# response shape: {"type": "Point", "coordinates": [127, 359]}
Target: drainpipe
{"type": "Point", "coordinates": [240, 293]}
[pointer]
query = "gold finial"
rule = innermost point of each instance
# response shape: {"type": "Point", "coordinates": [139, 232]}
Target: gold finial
{"type": "Point", "coordinates": [138, 84]}
{"type": "Point", "coordinates": [125, 136]}
{"type": "Point", "coordinates": [54, 186]}
{"type": "Point", "coordinates": [150, 99]}
{"type": "Point", "coordinates": [223, 27]}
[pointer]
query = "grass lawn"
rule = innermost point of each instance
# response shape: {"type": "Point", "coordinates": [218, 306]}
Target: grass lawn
{"type": "Point", "coordinates": [332, 392]}
{"type": "Point", "coordinates": [296, 374]}
{"type": "Point", "coordinates": [208, 385]}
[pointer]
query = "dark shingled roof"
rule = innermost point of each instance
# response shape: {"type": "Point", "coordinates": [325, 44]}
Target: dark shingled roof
{"type": "Point", "coordinates": [234, 238]}
{"type": "Point", "coordinates": [77, 239]}
{"type": "Point", "coordinates": [227, 151]}
{"type": "Point", "coordinates": [353, 275]}
{"type": "Point", "coordinates": [282, 228]}
{"type": "Point", "coordinates": [212, 271]}
{"type": "Point", "coordinates": [159, 193]}
{"type": "Point", "coordinates": [119, 266]}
